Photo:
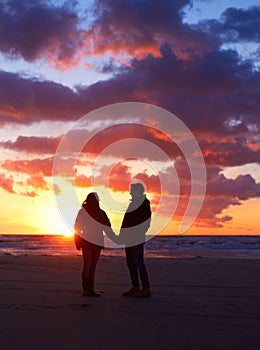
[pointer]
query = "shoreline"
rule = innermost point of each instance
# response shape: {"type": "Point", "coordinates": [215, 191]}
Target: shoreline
{"type": "Point", "coordinates": [199, 303]}
{"type": "Point", "coordinates": [168, 247]}
{"type": "Point", "coordinates": [122, 255]}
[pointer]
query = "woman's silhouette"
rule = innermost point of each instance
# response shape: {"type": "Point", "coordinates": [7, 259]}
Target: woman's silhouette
{"type": "Point", "coordinates": [90, 223]}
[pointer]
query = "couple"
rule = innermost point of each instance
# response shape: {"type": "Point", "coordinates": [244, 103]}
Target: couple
{"type": "Point", "coordinates": [90, 223]}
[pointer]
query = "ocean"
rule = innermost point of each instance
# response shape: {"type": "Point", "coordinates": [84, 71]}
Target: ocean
{"type": "Point", "coordinates": [182, 246]}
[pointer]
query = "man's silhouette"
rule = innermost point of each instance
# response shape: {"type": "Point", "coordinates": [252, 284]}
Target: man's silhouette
{"type": "Point", "coordinates": [135, 224]}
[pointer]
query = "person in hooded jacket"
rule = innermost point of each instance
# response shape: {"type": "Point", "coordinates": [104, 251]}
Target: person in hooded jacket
{"type": "Point", "coordinates": [90, 223]}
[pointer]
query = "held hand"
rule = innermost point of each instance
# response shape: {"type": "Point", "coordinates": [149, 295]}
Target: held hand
{"type": "Point", "coordinates": [111, 234]}
{"type": "Point", "coordinates": [120, 240]}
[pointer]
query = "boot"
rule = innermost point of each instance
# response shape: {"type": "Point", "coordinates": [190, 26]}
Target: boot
{"type": "Point", "coordinates": [143, 293]}
{"type": "Point", "coordinates": [131, 291]}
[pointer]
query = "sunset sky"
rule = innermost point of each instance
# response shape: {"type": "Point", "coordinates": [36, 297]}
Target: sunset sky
{"type": "Point", "coordinates": [60, 60]}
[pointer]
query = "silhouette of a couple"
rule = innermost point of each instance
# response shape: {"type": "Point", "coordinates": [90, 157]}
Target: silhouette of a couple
{"type": "Point", "coordinates": [89, 226]}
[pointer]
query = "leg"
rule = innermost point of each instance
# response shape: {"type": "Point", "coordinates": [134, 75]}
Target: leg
{"type": "Point", "coordinates": [86, 252]}
{"type": "Point", "coordinates": [95, 253]}
{"type": "Point", "coordinates": [129, 252]}
{"type": "Point", "coordinates": [139, 260]}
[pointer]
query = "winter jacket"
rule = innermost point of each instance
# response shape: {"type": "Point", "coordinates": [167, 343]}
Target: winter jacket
{"type": "Point", "coordinates": [136, 221]}
{"type": "Point", "coordinates": [89, 229]}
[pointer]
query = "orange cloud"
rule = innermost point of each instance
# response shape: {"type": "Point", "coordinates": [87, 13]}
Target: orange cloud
{"type": "Point", "coordinates": [38, 182]}
{"type": "Point", "coordinates": [6, 183]}
{"type": "Point", "coordinates": [30, 167]}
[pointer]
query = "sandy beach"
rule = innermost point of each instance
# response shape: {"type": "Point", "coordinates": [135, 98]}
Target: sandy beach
{"type": "Point", "coordinates": [196, 304]}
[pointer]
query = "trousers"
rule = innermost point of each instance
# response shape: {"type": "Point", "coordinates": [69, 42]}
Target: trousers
{"type": "Point", "coordinates": [90, 259]}
{"type": "Point", "coordinates": [136, 265]}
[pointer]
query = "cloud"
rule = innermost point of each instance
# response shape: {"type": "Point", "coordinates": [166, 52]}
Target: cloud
{"type": "Point", "coordinates": [236, 25]}
{"type": "Point", "coordinates": [122, 175]}
{"type": "Point", "coordinates": [236, 152]}
{"type": "Point", "coordinates": [39, 29]}
{"type": "Point", "coordinates": [149, 25]}
{"type": "Point", "coordinates": [7, 183]}
{"type": "Point", "coordinates": [37, 182]}
{"type": "Point", "coordinates": [32, 144]}
{"type": "Point", "coordinates": [100, 141]}
{"type": "Point", "coordinates": [211, 212]}
{"type": "Point", "coordinates": [29, 194]}
{"type": "Point", "coordinates": [82, 181]}
{"type": "Point", "coordinates": [243, 187]}
{"type": "Point", "coordinates": [214, 92]}
{"type": "Point", "coordinates": [39, 166]}
{"type": "Point", "coordinates": [221, 192]}
{"type": "Point", "coordinates": [132, 133]}
{"type": "Point", "coordinates": [27, 100]}
{"type": "Point", "coordinates": [29, 167]}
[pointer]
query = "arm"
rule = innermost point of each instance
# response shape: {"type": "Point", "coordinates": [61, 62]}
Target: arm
{"type": "Point", "coordinates": [77, 231]}
{"type": "Point", "coordinates": [147, 215]}
{"type": "Point", "coordinates": [111, 235]}
{"type": "Point", "coordinates": [108, 230]}
{"type": "Point", "coordinates": [77, 240]}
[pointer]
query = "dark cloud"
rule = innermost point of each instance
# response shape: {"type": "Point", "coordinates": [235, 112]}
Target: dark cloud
{"type": "Point", "coordinates": [236, 25]}
{"type": "Point", "coordinates": [25, 101]}
{"type": "Point", "coordinates": [243, 187]}
{"type": "Point", "coordinates": [236, 152]}
{"type": "Point", "coordinates": [39, 29]}
{"type": "Point", "coordinates": [214, 93]}
{"type": "Point", "coordinates": [32, 144]}
{"type": "Point", "coordinates": [221, 193]}
{"type": "Point", "coordinates": [211, 212]}
{"type": "Point", "coordinates": [208, 92]}
{"type": "Point", "coordinates": [139, 28]}
{"type": "Point", "coordinates": [43, 30]}
{"type": "Point", "coordinates": [244, 23]}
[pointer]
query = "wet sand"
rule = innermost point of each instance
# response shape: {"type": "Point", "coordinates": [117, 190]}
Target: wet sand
{"type": "Point", "coordinates": [195, 304]}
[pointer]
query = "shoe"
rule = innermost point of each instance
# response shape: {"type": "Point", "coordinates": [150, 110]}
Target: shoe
{"type": "Point", "coordinates": [143, 293]}
{"type": "Point", "coordinates": [131, 292]}
{"type": "Point", "coordinates": [88, 293]}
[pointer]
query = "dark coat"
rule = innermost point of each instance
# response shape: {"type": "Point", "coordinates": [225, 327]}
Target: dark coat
{"type": "Point", "coordinates": [136, 221]}
{"type": "Point", "coordinates": [89, 228]}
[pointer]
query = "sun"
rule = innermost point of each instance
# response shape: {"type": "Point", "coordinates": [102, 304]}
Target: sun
{"type": "Point", "coordinates": [68, 234]}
